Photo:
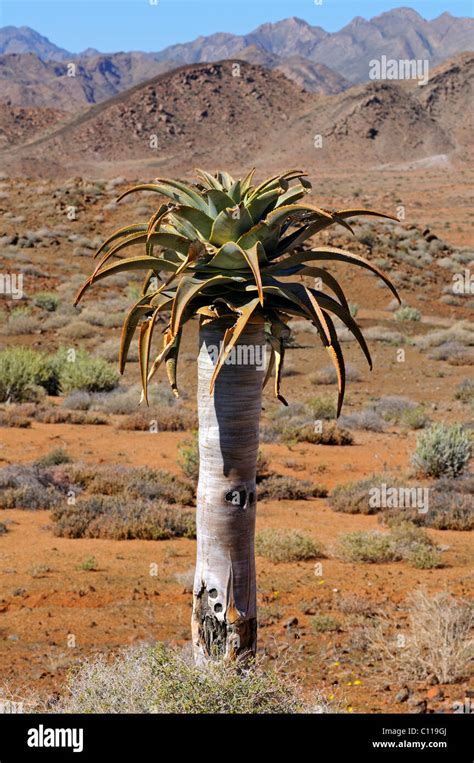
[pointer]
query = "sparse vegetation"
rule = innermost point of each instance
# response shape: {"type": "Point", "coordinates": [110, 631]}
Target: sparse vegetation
{"type": "Point", "coordinates": [407, 313]}
{"type": "Point", "coordinates": [280, 488]}
{"type": "Point", "coordinates": [438, 641]}
{"type": "Point", "coordinates": [161, 680]}
{"type": "Point", "coordinates": [324, 624]}
{"type": "Point", "coordinates": [354, 497]}
{"type": "Point", "coordinates": [54, 458]}
{"type": "Point", "coordinates": [442, 450]}
{"type": "Point", "coordinates": [328, 375]}
{"type": "Point", "coordinates": [286, 546]}
{"type": "Point", "coordinates": [404, 541]}
{"type": "Point", "coordinates": [112, 517]}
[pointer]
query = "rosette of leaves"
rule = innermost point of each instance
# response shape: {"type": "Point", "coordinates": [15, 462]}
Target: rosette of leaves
{"type": "Point", "coordinates": [226, 248]}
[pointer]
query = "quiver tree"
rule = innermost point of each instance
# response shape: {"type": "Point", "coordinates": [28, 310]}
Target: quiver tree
{"type": "Point", "coordinates": [230, 252]}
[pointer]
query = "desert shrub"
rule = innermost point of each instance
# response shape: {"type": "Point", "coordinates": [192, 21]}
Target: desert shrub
{"type": "Point", "coordinates": [122, 519]}
{"type": "Point", "coordinates": [102, 317]}
{"type": "Point", "coordinates": [79, 400]}
{"type": "Point", "coordinates": [407, 313]}
{"type": "Point", "coordinates": [442, 450]}
{"type": "Point", "coordinates": [163, 419]}
{"type": "Point", "coordinates": [28, 497]}
{"type": "Point", "coordinates": [322, 408]}
{"type": "Point", "coordinates": [454, 353]}
{"type": "Point", "coordinates": [424, 557]}
{"type": "Point", "coordinates": [54, 458]}
{"type": "Point", "coordinates": [438, 641]}
{"type": "Point", "coordinates": [109, 350]}
{"type": "Point", "coordinates": [367, 546]}
{"type": "Point", "coordinates": [84, 373]}
{"type": "Point", "coordinates": [21, 321]}
{"type": "Point", "coordinates": [461, 332]}
{"type": "Point", "coordinates": [279, 488]}
{"type": "Point", "coordinates": [3, 528]}
{"type": "Point", "coordinates": [29, 486]}
{"type": "Point", "coordinates": [384, 334]}
{"type": "Point", "coordinates": [354, 497]}
{"type": "Point", "coordinates": [159, 679]}
{"type": "Point", "coordinates": [189, 458]}
{"type": "Point", "coordinates": [414, 418]}
{"type": "Point", "coordinates": [328, 375]}
{"type": "Point", "coordinates": [88, 564]}
{"type": "Point", "coordinates": [392, 407]}
{"type": "Point", "coordinates": [24, 374]}
{"type": "Point", "coordinates": [301, 428]}
{"type": "Point", "coordinates": [330, 434]}
{"type": "Point", "coordinates": [46, 300]}
{"type": "Point", "coordinates": [366, 419]}
{"type": "Point", "coordinates": [123, 400]}
{"type": "Point", "coordinates": [404, 541]}
{"type": "Point", "coordinates": [14, 416]}
{"type": "Point", "coordinates": [451, 507]}
{"type": "Point", "coordinates": [77, 330]}
{"type": "Point", "coordinates": [286, 546]}
{"type": "Point", "coordinates": [135, 482]}
{"type": "Point", "coordinates": [465, 391]}
{"type": "Point", "coordinates": [324, 624]}
{"type": "Point", "coordinates": [53, 414]}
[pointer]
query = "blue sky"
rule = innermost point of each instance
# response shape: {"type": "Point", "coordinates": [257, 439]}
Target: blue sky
{"type": "Point", "coordinates": [111, 25]}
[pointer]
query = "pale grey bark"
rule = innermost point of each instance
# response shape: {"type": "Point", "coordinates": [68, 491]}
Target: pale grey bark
{"type": "Point", "coordinates": [224, 622]}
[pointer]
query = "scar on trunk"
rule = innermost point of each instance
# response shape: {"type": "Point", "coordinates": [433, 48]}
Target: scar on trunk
{"type": "Point", "coordinates": [240, 497]}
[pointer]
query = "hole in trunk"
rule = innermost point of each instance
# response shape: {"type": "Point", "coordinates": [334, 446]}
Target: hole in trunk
{"type": "Point", "coordinates": [218, 607]}
{"type": "Point", "coordinates": [212, 593]}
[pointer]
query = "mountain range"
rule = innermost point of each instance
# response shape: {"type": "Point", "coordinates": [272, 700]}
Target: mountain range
{"type": "Point", "coordinates": [287, 85]}
{"type": "Point", "coordinates": [175, 121]}
{"type": "Point", "coordinates": [319, 61]}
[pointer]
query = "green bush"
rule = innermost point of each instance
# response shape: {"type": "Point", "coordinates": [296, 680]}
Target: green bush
{"type": "Point", "coordinates": [46, 300]}
{"type": "Point", "coordinates": [414, 418]}
{"type": "Point", "coordinates": [84, 372]}
{"type": "Point", "coordinates": [442, 450]}
{"type": "Point", "coordinates": [159, 679]}
{"type": "Point", "coordinates": [424, 558]}
{"type": "Point", "coordinates": [367, 546]}
{"type": "Point", "coordinates": [24, 374]}
{"type": "Point", "coordinates": [404, 541]}
{"type": "Point", "coordinates": [407, 313]}
{"type": "Point", "coordinates": [54, 458]}
{"type": "Point", "coordinates": [286, 546]}
{"type": "Point", "coordinates": [322, 408]}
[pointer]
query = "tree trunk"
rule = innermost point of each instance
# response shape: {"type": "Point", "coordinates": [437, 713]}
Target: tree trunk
{"type": "Point", "coordinates": [224, 620]}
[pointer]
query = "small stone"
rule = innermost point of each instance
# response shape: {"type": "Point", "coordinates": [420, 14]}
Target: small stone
{"type": "Point", "coordinates": [402, 695]}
